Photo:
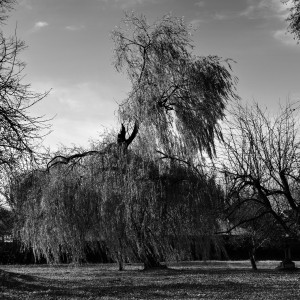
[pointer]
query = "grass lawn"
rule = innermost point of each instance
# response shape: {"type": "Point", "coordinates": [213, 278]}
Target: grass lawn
{"type": "Point", "coordinates": [186, 280]}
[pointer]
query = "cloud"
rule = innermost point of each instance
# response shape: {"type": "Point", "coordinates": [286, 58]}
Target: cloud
{"type": "Point", "coordinates": [81, 110]}
{"type": "Point", "coordinates": [126, 4]}
{"type": "Point", "coordinates": [278, 10]}
{"type": "Point", "coordinates": [248, 12]}
{"type": "Point", "coordinates": [74, 27]}
{"type": "Point", "coordinates": [195, 23]}
{"type": "Point", "coordinates": [26, 3]}
{"type": "Point", "coordinates": [286, 38]}
{"type": "Point", "coordinates": [40, 24]}
{"type": "Point", "coordinates": [222, 16]}
{"type": "Point", "coordinates": [266, 9]}
{"type": "Point", "coordinates": [71, 99]}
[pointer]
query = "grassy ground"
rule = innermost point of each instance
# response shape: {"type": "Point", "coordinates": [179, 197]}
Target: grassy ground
{"type": "Point", "coordinates": [192, 280]}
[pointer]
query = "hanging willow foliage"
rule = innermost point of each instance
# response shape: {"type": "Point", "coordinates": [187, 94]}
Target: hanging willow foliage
{"type": "Point", "coordinates": [176, 96]}
{"type": "Point", "coordinates": [147, 201]}
{"type": "Point", "coordinates": [142, 209]}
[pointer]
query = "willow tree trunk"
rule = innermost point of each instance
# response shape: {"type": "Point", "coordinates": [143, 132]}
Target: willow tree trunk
{"type": "Point", "coordinates": [151, 259]}
{"type": "Point", "coordinates": [252, 258]}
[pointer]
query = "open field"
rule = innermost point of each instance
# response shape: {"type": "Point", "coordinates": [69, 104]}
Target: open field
{"type": "Point", "coordinates": [190, 280]}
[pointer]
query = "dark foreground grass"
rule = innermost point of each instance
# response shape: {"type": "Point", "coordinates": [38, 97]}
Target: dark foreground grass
{"type": "Point", "coordinates": [196, 280]}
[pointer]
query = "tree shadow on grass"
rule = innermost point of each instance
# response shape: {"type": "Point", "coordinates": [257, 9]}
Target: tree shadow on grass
{"type": "Point", "coordinates": [206, 271]}
{"type": "Point", "coordinates": [10, 281]}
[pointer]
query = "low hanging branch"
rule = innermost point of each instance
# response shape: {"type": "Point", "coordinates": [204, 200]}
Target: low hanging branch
{"type": "Point", "coordinates": [59, 159]}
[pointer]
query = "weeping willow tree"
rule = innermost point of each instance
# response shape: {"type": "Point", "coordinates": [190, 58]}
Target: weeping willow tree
{"type": "Point", "coordinates": [142, 194]}
{"type": "Point", "coordinates": [142, 209]}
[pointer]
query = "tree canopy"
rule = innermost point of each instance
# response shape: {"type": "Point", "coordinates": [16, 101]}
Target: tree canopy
{"type": "Point", "coordinates": [177, 98]}
{"type": "Point", "coordinates": [142, 209]}
{"type": "Point", "coordinates": [294, 18]}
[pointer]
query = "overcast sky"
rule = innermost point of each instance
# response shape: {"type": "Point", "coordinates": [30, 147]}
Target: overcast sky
{"type": "Point", "coordinates": [70, 51]}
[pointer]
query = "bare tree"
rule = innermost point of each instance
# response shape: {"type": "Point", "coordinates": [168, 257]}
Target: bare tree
{"type": "Point", "coordinates": [20, 132]}
{"type": "Point", "coordinates": [261, 167]}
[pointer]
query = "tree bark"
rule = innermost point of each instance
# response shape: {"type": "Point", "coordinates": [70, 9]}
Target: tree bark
{"type": "Point", "coordinates": [151, 260]}
{"type": "Point", "coordinates": [121, 140]}
{"type": "Point", "coordinates": [120, 261]}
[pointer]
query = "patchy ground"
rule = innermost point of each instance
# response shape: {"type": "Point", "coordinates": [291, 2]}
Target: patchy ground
{"type": "Point", "coordinates": [192, 280]}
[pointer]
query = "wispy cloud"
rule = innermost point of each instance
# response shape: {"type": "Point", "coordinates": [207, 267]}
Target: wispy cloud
{"type": "Point", "coordinates": [272, 9]}
{"type": "Point", "coordinates": [195, 23]}
{"type": "Point", "coordinates": [284, 37]}
{"type": "Point", "coordinates": [26, 3]}
{"type": "Point", "coordinates": [81, 110]}
{"type": "Point", "coordinates": [248, 12]}
{"type": "Point", "coordinates": [74, 27]}
{"type": "Point", "coordinates": [222, 16]}
{"type": "Point", "coordinates": [266, 9]}
{"type": "Point", "coordinates": [126, 4]}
